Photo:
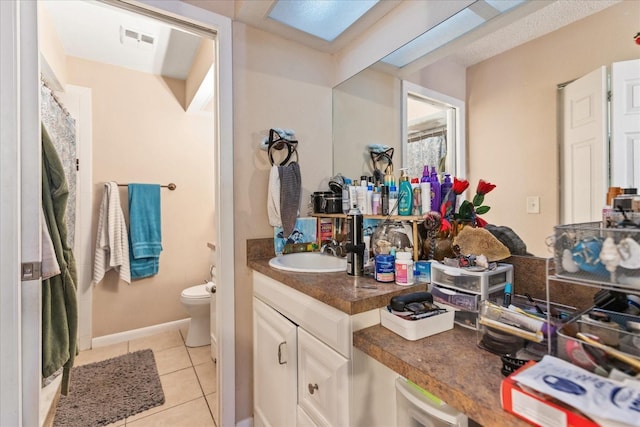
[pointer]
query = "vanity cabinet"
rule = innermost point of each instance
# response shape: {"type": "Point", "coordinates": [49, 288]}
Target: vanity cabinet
{"type": "Point", "coordinates": [302, 357]}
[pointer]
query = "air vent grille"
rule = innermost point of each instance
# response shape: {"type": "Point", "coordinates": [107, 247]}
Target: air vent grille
{"type": "Point", "coordinates": [131, 37]}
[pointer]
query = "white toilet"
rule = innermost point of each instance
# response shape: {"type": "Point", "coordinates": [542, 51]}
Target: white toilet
{"type": "Point", "coordinates": [197, 300]}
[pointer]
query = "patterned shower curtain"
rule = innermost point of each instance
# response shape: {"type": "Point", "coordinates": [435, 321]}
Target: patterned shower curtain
{"type": "Point", "coordinates": [430, 151]}
{"type": "Point", "coordinates": [62, 130]}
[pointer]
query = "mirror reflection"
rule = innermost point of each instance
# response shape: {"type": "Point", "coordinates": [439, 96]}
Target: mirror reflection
{"type": "Point", "coordinates": [512, 120]}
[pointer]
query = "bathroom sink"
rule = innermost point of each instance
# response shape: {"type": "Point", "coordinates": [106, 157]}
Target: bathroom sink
{"type": "Point", "coordinates": [309, 262]}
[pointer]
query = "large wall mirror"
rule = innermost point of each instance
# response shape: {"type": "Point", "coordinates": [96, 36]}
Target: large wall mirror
{"type": "Point", "coordinates": [512, 119]}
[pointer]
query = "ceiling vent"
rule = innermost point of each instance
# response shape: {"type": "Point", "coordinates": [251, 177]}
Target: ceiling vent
{"type": "Point", "coordinates": [130, 37]}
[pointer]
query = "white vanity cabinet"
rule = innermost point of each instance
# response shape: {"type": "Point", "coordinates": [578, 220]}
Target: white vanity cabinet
{"type": "Point", "coordinates": [302, 357]}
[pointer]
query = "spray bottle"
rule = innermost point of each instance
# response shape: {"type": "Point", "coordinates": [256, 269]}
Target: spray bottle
{"type": "Point", "coordinates": [405, 195]}
{"type": "Point", "coordinates": [446, 191]}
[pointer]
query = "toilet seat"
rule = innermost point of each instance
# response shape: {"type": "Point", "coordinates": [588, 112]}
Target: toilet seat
{"type": "Point", "coordinates": [196, 292]}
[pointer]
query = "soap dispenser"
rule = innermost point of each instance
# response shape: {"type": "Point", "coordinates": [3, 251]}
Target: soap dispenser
{"type": "Point", "coordinates": [405, 195]}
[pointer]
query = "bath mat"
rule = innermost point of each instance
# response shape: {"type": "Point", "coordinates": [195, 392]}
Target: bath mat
{"type": "Point", "coordinates": [104, 392]}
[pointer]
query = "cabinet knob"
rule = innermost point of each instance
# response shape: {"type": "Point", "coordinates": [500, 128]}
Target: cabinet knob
{"type": "Point", "coordinates": [312, 387]}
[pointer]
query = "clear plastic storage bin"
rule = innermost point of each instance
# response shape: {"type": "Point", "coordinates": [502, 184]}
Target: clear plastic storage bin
{"type": "Point", "coordinates": [588, 252]}
{"type": "Point", "coordinates": [473, 281]}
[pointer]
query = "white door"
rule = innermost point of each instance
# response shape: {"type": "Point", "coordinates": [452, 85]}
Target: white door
{"type": "Point", "coordinates": [274, 367]}
{"type": "Point", "coordinates": [20, 210]}
{"type": "Point", "coordinates": [625, 124]}
{"type": "Point", "coordinates": [584, 151]}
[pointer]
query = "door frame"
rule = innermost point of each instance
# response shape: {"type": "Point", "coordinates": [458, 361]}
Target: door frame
{"type": "Point", "coordinates": [21, 204]}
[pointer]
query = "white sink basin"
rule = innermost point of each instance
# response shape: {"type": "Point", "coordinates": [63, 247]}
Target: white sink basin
{"type": "Point", "coordinates": [309, 262]}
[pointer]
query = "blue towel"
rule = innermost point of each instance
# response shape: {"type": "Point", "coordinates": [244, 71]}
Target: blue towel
{"type": "Point", "coordinates": [145, 234]}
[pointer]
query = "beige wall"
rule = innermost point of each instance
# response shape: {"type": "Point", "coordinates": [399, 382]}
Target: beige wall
{"type": "Point", "coordinates": [363, 116]}
{"type": "Point", "coordinates": [512, 115]}
{"type": "Point", "coordinates": [276, 83]}
{"type": "Point", "coordinates": [54, 60]}
{"type": "Point", "coordinates": [142, 134]}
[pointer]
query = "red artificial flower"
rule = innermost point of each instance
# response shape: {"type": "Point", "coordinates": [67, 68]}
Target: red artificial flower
{"type": "Point", "coordinates": [445, 225]}
{"type": "Point", "coordinates": [480, 222]}
{"type": "Point", "coordinates": [484, 187]}
{"type": "Point", "coordinates": [459, 185]}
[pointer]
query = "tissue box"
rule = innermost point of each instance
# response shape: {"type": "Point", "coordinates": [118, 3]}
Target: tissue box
{"type": "Point", "coordinates": [535, 408]}
{"type": "Point", "coordinates": [413, 330]}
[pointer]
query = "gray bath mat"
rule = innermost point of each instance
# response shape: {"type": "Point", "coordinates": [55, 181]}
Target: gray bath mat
{"type": "Point", "coordinates": [104, 392]}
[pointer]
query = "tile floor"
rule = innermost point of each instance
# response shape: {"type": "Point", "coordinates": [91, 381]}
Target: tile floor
{"type": "Point", "coordinates": [188, 378]}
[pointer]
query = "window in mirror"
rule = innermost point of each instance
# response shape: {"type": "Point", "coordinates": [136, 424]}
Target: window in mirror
{"type": "Point", "coordinates": [433, 131]}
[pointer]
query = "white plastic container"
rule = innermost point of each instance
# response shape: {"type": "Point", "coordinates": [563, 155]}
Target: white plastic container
{"type": "Point", "coordinates": [413, 330]}
{"type": "Point", "coordinates": [404, 268]}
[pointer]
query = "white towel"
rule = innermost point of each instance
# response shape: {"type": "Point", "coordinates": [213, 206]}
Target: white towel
{"type": "Point", "coordinates": [112, 243]}
{"type": "Point", "coordinates": [50, 266]}
{"type": "Point", "coordinates": [273, 198]}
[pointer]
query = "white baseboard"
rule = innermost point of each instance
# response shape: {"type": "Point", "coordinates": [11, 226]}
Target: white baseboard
{"type": "Point", "coordinates": [138, 333]}
{"type": "Point", "coordinates": [247, 422]}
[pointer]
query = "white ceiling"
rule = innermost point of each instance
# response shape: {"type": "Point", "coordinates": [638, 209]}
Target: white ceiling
{"type": "Point", "coordinates": [94, 31]}
{"type": "Point", "coordinates": [91, 30]}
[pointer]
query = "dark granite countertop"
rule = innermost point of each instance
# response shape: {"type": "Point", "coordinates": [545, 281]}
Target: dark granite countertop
{"type": "Point", "coordinates": [349, 294]}
{"type": "Point", "coordinates": [449, 365]}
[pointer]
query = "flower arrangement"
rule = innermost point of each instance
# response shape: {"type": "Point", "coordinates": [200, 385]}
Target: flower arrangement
{"type": "Point", "coordinates": [468, 211]}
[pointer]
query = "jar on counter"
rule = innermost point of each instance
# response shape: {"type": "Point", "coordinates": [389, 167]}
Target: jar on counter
{"type": "Point", "coordinates": [404, 268]}
{"type": "Point", "coordinates": [385, 268]}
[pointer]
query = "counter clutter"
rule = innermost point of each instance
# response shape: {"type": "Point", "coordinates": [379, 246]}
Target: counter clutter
{"type": "Point", "coordinates": [449, 364]}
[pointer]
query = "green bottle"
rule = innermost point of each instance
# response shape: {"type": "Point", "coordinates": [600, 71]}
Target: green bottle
{"type": "Point", "coordinates": [405, 195]}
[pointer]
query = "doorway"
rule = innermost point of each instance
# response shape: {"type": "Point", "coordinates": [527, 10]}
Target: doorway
{"type": "Point", "coordinates": [25, 35]}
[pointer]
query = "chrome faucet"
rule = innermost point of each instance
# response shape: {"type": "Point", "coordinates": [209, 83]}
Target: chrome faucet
{"type": "Point", "coordinates": [332, 247]}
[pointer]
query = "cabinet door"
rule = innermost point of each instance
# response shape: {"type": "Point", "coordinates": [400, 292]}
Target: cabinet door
{"type": "Point", "coordinates": [274, 367]}
{"type": "Point", "coordinates": [323, 382]}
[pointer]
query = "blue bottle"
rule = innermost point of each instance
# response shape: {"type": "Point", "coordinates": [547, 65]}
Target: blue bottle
{"type": "Point", "coordinates": [405, 195]}
{"type": "Point", "coordinates": [435, 191]}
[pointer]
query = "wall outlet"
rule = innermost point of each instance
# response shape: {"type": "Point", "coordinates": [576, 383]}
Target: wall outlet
{"type": "Point", "coordinates": [533, 204]}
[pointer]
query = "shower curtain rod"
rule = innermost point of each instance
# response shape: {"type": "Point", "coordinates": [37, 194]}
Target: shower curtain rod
{"type": "Point", "coordinates": [171, 186]}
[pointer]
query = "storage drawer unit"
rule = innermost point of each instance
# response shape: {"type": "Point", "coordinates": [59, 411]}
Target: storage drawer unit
{"type": "Point", "coordinates": [463, 289]}
{"type": "Point", "coordinates": [471, 281]}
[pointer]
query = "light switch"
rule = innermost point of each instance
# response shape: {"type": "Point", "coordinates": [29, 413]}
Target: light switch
{"type": "Point", "coordinates": [533, 204]}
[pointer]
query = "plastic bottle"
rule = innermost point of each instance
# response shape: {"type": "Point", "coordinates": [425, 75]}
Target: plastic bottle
{"type": "Point", "coordinates": [446, 190]}
{"type": "Point", "coordinates": [393, 200]}
{"type": "Point", "coordinates": [425, 190]}
{"type": "Point", "coordinates": [389, 179]}
{"type": "Point", "coordinates": [369, 202]}
{"type": "Point", "coordinates": [404, 268]}
{"type": "Point", "coordinates": [385, 200]}
{"type": "Point", "coordinates": [405, 195]}
{"type": "Point", "coordinates": [345, 196]}
{"type": "Point", "coordinates": [435, 190]}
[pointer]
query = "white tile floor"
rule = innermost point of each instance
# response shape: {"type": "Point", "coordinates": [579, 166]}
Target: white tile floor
{"type": "Point", "coordinates": [188, 378]}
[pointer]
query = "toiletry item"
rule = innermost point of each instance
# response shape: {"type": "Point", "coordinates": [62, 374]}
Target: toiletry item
{"type": "Point", "coordinates": [389, 179]}
{"type": "Point", "coordinates": [417, 201]}
{"type": "Point", "coordinates": [376, 199]}
{"type": "Point", "coordinates": [508, 291]}
{"type": "Point", "coordinates": [355, 245]}
{"type": "Point", "coordinates": [353, 197]}
{"type": "Point", "coordinates": [385, 200]}
{"type": "Point", "coordinates": [435, 190]}
{"type": "Point", "coordinates": [345, 196]}
{"type": "Point", "coordinates": [405, 195]}
{"type": "Point", "coordinates": [404, 269]}
{"type": "Point", "coordinates": [369, 201]}
{"type": "Point", "coordinates": [385, 268]}
{"type": "Point", "coordinates": [446, 191]}
{"type": "Point", "coordinates": [362, 199]}
{"type": "Point", "coordinates": [426, 176]}
{"type": "Point", "coordinates": [425, 197]}
{"type": "Point", "coordinates": [393, 200]}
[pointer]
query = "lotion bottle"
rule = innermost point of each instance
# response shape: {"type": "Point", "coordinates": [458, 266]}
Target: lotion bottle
{"type": "Point", "coordinates": [425, 190]}
{"type": "Point", "coordinates": [405, 195]}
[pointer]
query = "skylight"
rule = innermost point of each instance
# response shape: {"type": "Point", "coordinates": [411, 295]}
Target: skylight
{"type": "Point", "coordinates": [325, 19]}
{"type": "Point", "coordinates": [449, 30]}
